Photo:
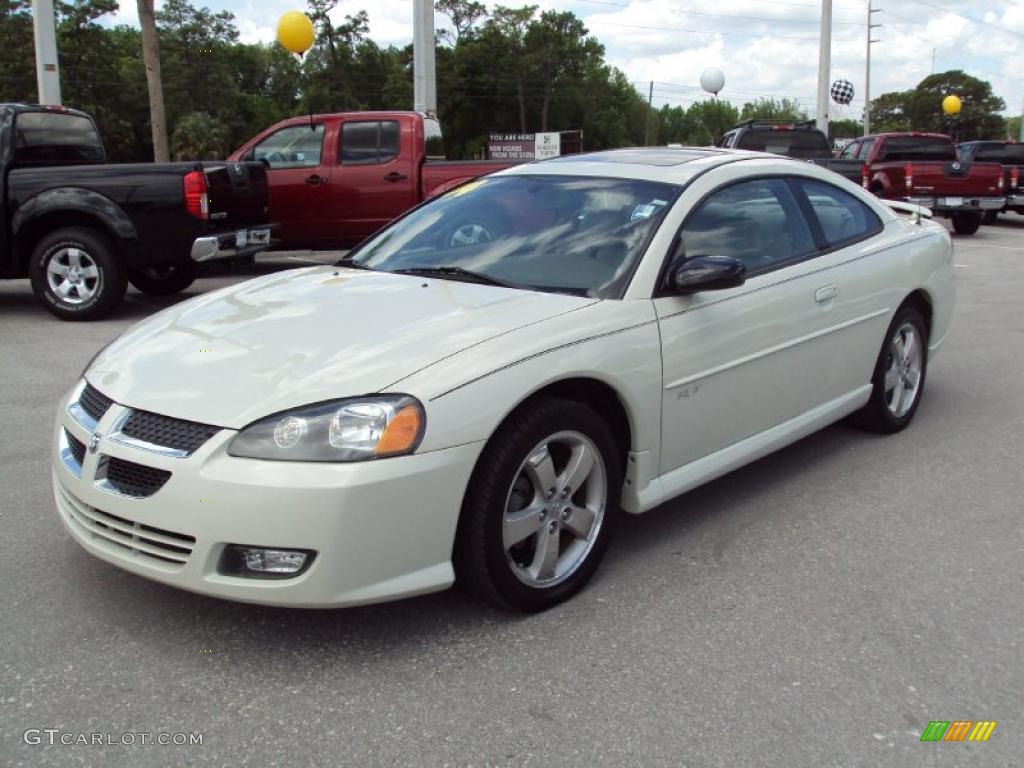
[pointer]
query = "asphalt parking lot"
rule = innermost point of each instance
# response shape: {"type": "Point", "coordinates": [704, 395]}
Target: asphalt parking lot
{"type": "Point", "coordinates": [817, 608]}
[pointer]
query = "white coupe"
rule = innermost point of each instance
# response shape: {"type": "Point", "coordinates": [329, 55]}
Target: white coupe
{"type": "Point", "coordinates": [480, 390]}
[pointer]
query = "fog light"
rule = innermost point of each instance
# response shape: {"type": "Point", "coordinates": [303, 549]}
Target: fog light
{"type": "Point", "coordinates": [263, 562]}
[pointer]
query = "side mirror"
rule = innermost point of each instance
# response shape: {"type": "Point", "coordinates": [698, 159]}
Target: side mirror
{"type": "Point", "coordinates": [705, 273]}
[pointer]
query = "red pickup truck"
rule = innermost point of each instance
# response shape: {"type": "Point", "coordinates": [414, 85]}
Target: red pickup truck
{"type": "Point", "coordinates": [924, 169]}
{"type": "Point", "coordinates": [336, 179]}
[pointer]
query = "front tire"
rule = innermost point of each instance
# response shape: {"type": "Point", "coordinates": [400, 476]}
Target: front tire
{"type": "Point", "coordinates": [76, 274]}
{"type": "Point", "coordinates": [966, 223]}
{"type": "Point", "coordinates": [541, 507]}
{"type": "Point", "coordinates": [165, 280]}
{"type": "Point", "coordinates": [898, 379]}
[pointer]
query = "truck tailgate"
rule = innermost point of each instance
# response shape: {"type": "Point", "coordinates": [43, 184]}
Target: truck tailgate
{"type": "Point", "coordinates": [238, 194]}
{"type": "Point", "coordinates": [955, 178]}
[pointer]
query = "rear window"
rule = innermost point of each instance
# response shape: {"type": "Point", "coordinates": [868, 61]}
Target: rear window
{"type": "Point", "coordinates": [788, 142]}
{"type": "Point", "coordinates": [909, 148]}
{"type": "Point", "coordinates": [55, 138]}
{"type": "Point", "coordinates": [1010, 154]}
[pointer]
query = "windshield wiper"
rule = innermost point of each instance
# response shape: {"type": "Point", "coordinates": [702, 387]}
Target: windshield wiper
{"type": "Point", "coordinates": [352, 264]}
{"type": "Point", "coordinates": [467, 274]}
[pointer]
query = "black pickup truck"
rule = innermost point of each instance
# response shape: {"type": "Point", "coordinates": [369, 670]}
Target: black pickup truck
{"type": "Point", "coordinates": [1010, 155]}
{"type": "Point", "coordinates": [82, 229]}
{"type": "Point", "coordinates": [800, 141]}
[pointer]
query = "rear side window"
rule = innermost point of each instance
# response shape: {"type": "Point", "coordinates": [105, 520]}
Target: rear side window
{"type": "Point", "coordinates": [54, 138]}
{"type": "Point", "coordinates": [843, 218]}
{"type": "Point", "coordinates": [788, 142]}
{"type": "Point", "coordinates": [297, 146]}
{"type": "Point", "coordinates": [865, 149]}
{"type": "Point", "coordinates": [369, 142]}
{"type": "Point", "coordinates": [758, 222]}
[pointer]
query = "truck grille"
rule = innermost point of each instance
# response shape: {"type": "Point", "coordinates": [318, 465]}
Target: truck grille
{"type": "Point", "coordinates": [124, 536]}
{"type": "Point", "coordinates": [77, 447]}
{"type": "Point", "coordinates": [131, 479]}
{"type": "Point", "coordinates": [167, 432]}
{"type": "Point", "coordinates": [94, 402]}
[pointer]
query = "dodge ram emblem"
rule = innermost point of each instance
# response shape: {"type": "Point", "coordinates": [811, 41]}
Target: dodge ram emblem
{"type": "Point", "coordinates": [94, 442]}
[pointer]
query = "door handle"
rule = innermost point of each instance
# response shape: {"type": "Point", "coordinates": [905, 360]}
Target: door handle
{"type": "Point", "coordinates": [826, 293]}
{"type": "Point", "coordinates": [395, 176]}
{"type": "Point", "coordinates": [316, 179]}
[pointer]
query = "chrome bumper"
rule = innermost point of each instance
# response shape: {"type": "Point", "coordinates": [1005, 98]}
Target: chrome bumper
{"type": "Point", "coordinates": [1015, 201]}
{"type": "Point", "coordinates": [965, 204]}
{"type": "Point", "coordinates": [242, 242]}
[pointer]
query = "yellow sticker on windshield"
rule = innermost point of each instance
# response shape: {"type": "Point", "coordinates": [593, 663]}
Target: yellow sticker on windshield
{"type": "Point", "coordinates": [466, 188]}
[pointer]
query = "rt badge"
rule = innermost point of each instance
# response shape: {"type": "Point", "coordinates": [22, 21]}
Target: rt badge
{"type": "Point", "coordinates": [94, 442]}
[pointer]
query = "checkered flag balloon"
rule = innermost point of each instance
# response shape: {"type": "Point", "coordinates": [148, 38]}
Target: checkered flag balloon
{"type": "Point", "coordinates": [842, 91]}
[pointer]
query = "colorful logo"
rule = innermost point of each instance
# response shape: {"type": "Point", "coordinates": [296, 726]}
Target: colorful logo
{"type": "Point", "coordinates": [958, 730]}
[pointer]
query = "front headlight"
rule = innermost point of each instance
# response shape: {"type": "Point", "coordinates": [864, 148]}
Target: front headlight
{"type": "Point", "coordinates": [354, 429]}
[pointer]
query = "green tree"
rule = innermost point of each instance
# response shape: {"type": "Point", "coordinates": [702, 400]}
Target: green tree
{"type": "Point", "coordinates": [845, 129]}
{"type": "Point", "coordinates": [890, 112]}
{"type": "Point", "coordinates": [784, 110]}
{"type": "Point", "coordinates": [711, 118]}
{"type": "Point", "coordinates": [197, 136]}
{"type": "Point", "coordinates": [980, 117]}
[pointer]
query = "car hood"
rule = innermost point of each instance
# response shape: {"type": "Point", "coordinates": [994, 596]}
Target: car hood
{"type": "Point", "coordinates": [305, 336]}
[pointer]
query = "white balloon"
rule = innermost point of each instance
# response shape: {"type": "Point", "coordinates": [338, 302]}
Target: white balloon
{"type": "Point", "coordinates": [712, 80]}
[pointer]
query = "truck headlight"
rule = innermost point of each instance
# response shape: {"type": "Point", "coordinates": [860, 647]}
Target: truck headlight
{"type": "Point", "coordinates": [354, 429]}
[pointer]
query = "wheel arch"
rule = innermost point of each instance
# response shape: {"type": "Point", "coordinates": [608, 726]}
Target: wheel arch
{"type": "Point", "coordinates": [922, 301]}
{"type": "Point", "coordinates": [61, 208]}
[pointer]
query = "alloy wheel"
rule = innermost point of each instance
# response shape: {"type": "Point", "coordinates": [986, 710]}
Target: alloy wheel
{"type": "Point", "coordinates": [73, 275]}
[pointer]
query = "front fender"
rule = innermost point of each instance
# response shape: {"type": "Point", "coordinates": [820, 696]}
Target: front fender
{"type": "Point", "coordinates": [77, 200]}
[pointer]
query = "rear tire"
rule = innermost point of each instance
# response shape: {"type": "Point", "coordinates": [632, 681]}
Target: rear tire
{"type": "Point", "coordinates": [966, 223]}
{"type": "Point", "coordinates": [165, 280]}
{"type": "Point", "coordinates": [899, 376]}
{"type": "Point", "coordinates": [529, 547]}
{"type": "Point", "coordinates": [75, 272]}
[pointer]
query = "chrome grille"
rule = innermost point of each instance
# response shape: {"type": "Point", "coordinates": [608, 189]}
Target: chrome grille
{"type": "Point", "coordinates": [166, 432]}
{"type": "Point", "coordinates": [131, 479]}
{"type": "Point", "coordinates": [126, 537]}
{"type": "Point", "coordinates": [94, 402]}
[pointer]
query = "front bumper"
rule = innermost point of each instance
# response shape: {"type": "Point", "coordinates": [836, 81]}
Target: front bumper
{"type": "Point", "coordinates": [381, 530]}
{"type": "Point", "coordinates": [954, 204]}
{"type": "Point", "coordinates": [227, 245]}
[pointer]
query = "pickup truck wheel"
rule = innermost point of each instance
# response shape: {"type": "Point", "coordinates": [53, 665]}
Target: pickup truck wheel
{"type": "Point", "coordinates": [76, 274]}
{"type": "Point", "coordinates": [966, 223]}
{"type": "Point", "coordinates": [164, 280]}
{"type": "Point", "coordinates": [540, 508]}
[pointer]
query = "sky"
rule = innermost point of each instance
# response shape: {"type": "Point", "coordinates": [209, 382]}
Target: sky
{"type": "Point", "coordinates": [765, 47]}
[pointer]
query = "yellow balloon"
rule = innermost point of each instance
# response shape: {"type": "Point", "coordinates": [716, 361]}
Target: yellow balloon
{"type": "Point", "coordinates": [295, 32]}
{"type": "Point", "coordinates": [952, 105]}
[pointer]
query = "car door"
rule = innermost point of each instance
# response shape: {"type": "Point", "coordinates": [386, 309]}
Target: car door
{"type": "Point", "coordinates": [297, 176]}
{"type": "Point", "coordinates": [374, 180]}
{"type": "Point", "coordinates": [740, 361]}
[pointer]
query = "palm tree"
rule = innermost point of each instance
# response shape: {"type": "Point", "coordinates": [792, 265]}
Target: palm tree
{"type": "Point", "coordinates": [151, 57]}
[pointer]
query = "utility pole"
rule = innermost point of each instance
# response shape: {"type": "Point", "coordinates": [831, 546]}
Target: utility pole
{"type": "Point", "coordinates": [867, 69]}
{"type": "Point", "coordinates": [423, 70]}
{"type": "Point", "coordinates": [824, 63]}
{"type": "Point", "coordinates": [647, 123]}
{"type": "Point", "coordinates": [47, 70]}
{"type": "Point", "coordinates": [1021, 138]}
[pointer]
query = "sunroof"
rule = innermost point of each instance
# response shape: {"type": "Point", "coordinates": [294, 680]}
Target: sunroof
{"type": "Point", "coordinates": [652, 156]}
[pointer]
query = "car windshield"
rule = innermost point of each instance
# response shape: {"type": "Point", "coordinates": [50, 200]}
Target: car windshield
{"type": "Point", "coordinates": [577, 235]}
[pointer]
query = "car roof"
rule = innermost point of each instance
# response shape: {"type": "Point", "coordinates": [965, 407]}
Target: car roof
{"type": "Point", "coordinates": [664, 164]}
